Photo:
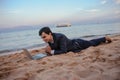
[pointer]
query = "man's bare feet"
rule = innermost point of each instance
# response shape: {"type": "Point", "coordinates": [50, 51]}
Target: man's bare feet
{"type": "Point", "coordinates": [108, 39]}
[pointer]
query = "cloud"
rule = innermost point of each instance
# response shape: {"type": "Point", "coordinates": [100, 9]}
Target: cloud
{"type": "Point", "coordinates": [94, 16]}
{"type": "Point", "coordinates": [117, 12]}
{"type": "Point", "coordinates": [79, 9]}
{"type": "Point", "coordinates": [117, 1]}
{"type": "Point", "coordinates": [15, 11]}
{"type": "Point", "coordinates": [103, 2]}
{"type": "Point", "coordinates": [6, 12]}
{"type": "Point", "coordinates": [89, 11]}
{"type": "Point", "coordinates": [93, 10]}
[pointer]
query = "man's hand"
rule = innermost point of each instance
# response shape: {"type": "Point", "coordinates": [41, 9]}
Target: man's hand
{"type": "Point", "coordinates": [48, 50]}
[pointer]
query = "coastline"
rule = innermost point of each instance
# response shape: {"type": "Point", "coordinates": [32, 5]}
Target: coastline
{"type": "Point", "coordinates": [94, 63]}
{"type": "Point", "coordinates": [20, 51]}
{"type": "Point", "coordinates": [88, 37]}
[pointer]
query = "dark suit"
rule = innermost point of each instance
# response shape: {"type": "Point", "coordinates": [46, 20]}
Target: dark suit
{"type": "Point", "coordinates": [62, 44]}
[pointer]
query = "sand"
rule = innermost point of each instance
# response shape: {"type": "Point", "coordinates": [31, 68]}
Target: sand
{"type": "Point", "coordinates": [94, 63]}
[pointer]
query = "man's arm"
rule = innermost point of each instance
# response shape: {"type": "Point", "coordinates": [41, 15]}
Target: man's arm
{"type": "Point", "coordinates": [62, 46]}
{"type": "Point", "coordinates": [48, 50]}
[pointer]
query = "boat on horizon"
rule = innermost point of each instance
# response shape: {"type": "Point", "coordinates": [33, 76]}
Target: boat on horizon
{"type": "Point", "coordinates": [63, 25]}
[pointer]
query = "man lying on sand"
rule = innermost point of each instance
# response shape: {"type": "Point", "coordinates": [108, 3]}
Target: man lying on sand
{"type": "Point", "coordinates": [59, 43]}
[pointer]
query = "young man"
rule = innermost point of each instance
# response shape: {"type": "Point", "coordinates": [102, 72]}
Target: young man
{"type": "Point", "coordinates": [59, 43]}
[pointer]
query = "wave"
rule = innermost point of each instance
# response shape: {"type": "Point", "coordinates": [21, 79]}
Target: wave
{"type": "Point", "coordinates": [18, 49]}
{"type": "Point", "coordinates": [93, 36]}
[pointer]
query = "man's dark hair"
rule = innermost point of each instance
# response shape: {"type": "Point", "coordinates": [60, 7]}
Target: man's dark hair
{"type": "Point", "coordinates": [45, 29]}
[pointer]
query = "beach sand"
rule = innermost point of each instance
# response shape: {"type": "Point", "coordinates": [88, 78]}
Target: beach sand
{"type": "Point", "coordinates": [94, 63]}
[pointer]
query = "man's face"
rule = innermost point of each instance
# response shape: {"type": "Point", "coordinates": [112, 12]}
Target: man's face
{"type": "Point", "coordinates": [46, 37]}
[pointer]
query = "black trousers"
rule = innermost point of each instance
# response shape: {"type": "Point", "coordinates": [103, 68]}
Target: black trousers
{"type": "Point", "coordinates": [81, 44]}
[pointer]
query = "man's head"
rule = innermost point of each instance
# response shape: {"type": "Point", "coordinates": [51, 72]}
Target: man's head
{"type": "Point", "coordinates": [46, 34]}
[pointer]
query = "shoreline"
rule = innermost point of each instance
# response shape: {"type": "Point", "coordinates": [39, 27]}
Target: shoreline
{"type": "Point", "coordinates": [20, 51]}
{"type": "Point", "coordinates": [88, 37]}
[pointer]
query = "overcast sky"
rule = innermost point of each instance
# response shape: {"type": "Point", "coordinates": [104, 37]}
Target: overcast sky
{"type": "Point", "coordinates": [44, 12]}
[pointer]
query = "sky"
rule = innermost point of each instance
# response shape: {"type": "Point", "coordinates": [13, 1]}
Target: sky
{"type": "Point", "coordinates": [15, 13]}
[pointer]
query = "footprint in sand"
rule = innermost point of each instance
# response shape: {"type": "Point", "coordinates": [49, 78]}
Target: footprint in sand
{"type": "Point", "coordinates": [40, 70]}
{"type": "Point", "coordinates": [87, 73]}
{"type": "Point", "coordinates": [43, 62]}
{"type": "Point", "coordinates": [24, 78]}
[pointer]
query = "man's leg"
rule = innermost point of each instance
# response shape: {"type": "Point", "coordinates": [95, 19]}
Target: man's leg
{"type": "Point", "coordinates": [83, 44]}
{"type": "Point", "coordinates": [95, 42]}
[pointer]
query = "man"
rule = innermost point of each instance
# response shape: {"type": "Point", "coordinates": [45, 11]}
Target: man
{"type": "Point", "coordinates": [59, 43]}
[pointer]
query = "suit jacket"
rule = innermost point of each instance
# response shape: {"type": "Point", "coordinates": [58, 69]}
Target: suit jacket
{"type": "Point", "coordinates": [62, 44]}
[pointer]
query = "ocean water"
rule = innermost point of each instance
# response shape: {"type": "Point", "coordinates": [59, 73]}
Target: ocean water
{"type": "Point", "coordinates": [16, 40]}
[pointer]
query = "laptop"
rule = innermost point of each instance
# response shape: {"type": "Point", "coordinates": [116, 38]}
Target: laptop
{"type": "Point", "coordinates": [35, 57]}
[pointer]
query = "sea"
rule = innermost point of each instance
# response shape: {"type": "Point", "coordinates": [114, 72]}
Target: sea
{"type": "Point", "coordinates": [16, 40]}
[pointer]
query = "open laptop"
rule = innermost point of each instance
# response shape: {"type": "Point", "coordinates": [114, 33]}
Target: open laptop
{"type": "Point", "coordinates": [35, 57]}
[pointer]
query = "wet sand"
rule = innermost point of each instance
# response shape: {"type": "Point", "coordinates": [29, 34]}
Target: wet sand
{"type": "Point", "coordinates": [94, 63]}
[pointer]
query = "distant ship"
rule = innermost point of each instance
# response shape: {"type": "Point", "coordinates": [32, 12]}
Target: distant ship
{"type": "Point", "coordinates": [63, 25]}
